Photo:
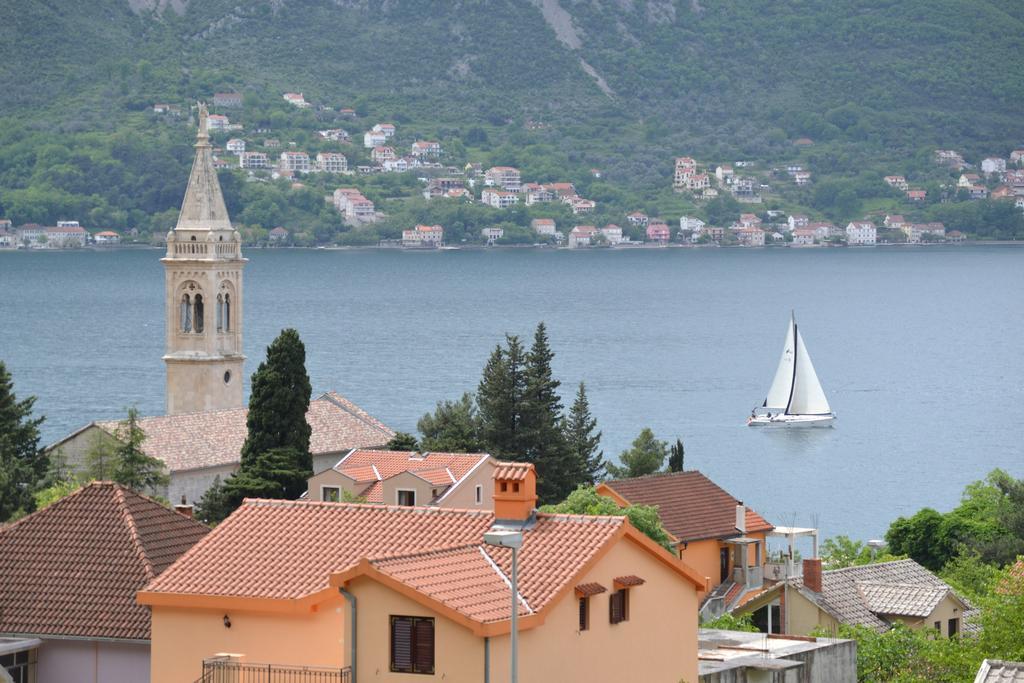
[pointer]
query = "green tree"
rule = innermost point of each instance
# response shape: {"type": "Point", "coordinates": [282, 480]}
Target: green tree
{"type": "Point", "coordinates": [500, 399]}
{"type": "Point", "coordinates": [22, 464]}
{"type": "Point", "coordinates": [646, 456]}
{"type": "Point", "coordinates": [214, 504]}
{"type": "Point", "coordinates": [842, 551]}
{"type": "Point", "coordinates": [100, 459]}
{"type": "Point", "coordinates": [676, 456]}
{"type": "Point", "coordinates": [582, 439]}
{"type": "Point", "coordinates": [919, 538]}
{"type": "Point", "coordinates": [585, 500]}
{"type": "Point", "coordinates": [132, 467]}
{"type": "Point", "coordinates": [402, 441]}
{"type": "Point", "coordinates": [272, 474]}
{"type": "Point", "coordinates": [279, 402]}
{"type": "Point", "coordinates": [541, 440]}
{"type": "Point", "coordinates": [453, 427]}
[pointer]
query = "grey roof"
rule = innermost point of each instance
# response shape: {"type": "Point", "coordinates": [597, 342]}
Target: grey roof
{"type": "Point", "coordinates": [905, 600]}
{"type": "Point", "coordinates": [865, 593]}
{"type": "Point", "coordinates": [997, 671]}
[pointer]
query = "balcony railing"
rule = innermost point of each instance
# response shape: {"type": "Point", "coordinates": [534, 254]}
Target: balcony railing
{"type": "Point", "coordinates": [228, 671]}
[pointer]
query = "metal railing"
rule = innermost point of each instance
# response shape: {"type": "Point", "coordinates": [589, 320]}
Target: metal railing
{"type": "Point", "coordinates": [228, 671]}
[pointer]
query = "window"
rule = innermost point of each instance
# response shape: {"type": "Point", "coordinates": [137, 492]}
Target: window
{"type": "Point", "coordinates": [479, 494]}
{"type": "Point", "coordinates": [199, 314]}
{"type": "Point", "coordinates": [618, 606]}
{"type": "Point", "coordinates": [938, 626]}
{"type": "Point", "coordinates": [407, 498]}
{"type": "Point", "coordinates": [954, 627]}
{"type": "Point", "coordinates": [220, 312]}
{"type": "Point", "coordinates": [331, 494]}
{"type": "Point", "coordinates": [186, 313]}
{"type": "Point", "coordinates": [20, 666]}
{"type": "Point", "coordinates": [412, 645]}
{"type": "Point", "coordinates": [584, 613]}
{"type": "Point", "coordinates": [227, 312]}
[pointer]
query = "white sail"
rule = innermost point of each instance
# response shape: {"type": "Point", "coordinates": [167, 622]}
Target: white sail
{"type": "Point", "coordinates": [778, 394]}
{"type": "Point", "coordinates": [808, 397]}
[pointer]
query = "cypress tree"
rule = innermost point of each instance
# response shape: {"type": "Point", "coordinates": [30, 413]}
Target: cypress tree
{"type": "Point", "coordinates": [676, 455]}
{"type": "Point", "coordinates": [22, 464]}
{"type": "Point", "coordinates": [500, 399]}
{"type": "Point", "coordinates": [279, 402]}
{"type": "Point", "coordinates": [582, 440]}
{"type": "Point", "coordinates": [541, 439]}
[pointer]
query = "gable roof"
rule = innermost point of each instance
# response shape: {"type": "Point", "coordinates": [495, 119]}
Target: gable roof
{"type": "Point", "coordinates": [72, 569]}
{"type": "Point", "coordinates": [864, 594]}
{"type": "Point", "coordinates": [445, 470]}
{"type": "Point", "coordinates": [434, 555]}
{"type": "Point", "coordinates": [215, 437]}
{"type": "Point", "coordinates": [691, 506]}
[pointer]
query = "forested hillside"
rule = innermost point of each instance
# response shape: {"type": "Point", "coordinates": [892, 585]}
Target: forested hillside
{"type": "Point", "coordinates": [620, 85]}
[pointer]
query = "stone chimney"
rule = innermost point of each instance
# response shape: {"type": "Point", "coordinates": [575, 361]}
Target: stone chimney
{"type": "Point", "coordinates": [515, 491]}
{"type": "Point", "coordinates": [812, 574]}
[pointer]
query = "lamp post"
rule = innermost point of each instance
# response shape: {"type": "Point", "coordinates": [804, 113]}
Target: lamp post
{"type": "Point", "coordinates": [509, 538]}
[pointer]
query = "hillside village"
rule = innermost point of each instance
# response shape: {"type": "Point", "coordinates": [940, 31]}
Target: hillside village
{"type": "Point", "coordinates": [369, 168]}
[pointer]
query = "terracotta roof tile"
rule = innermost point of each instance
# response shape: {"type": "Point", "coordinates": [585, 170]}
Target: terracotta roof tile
{"type": "Point", "coordinates": [628, 581]}
{"type": "Point", "coordinates": [691, 506]}
{"type": "Point", "coordinates": [512, 471]}
{"type": "Point", "coordinates": [215, 437]}
{"type": "Point", "coordinates": [438, 552]}
{"type": "Point", "coordinates": [440, 469]}
{"type": "Point", "coordinates": [585, 590]}
{"type": "Point", "coordinates": [73, 568]}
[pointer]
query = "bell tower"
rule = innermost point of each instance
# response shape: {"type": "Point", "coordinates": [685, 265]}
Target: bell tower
{"type": "Point", "coordinates": [203, 295]}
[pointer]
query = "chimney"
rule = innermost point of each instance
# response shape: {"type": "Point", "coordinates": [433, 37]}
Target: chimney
{"type": "Point", "coordinates": [515, 491]}
{"type": "Point", "coordinates": [741, 517]}
{"type": "Point", "coordinates": [812, 574]}
{"type": "Point", "coordinates": [183, 509]}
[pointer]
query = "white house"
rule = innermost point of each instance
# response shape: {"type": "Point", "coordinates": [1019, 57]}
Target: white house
{"type": "Point", "coordinates": [543, 226]}
{"type": "Point", "coordinates": [236, 145]}
{"type": "Point", "coordinates": [581, 236]}
{"type": "Point", "coordinates": [612, 234]}
{"type": "Point", "coordinates": [503, 176]}
{"type": "Point", "coordinates": [331, 162]}
{"type": "Point", "coordinates": [253, 160]}
{"type": "Point", "coordinates": [492, 235]}
{"type": "Point", "coordinates": [861, 233]}
{"type": "Point", "coordinates": [993, 165]}
{"type": "Point", "coordinates": [295, 162]}
{"type": "Point", "coordinates": [387, 129]}
{"type": "Point", "coordinates": [691, 222]}
{"type": "Point", "coordinates": [217, 122]}
{"type": "Point", "coordinates": [499, 199]}
{"type": "Point", "coordinates": [373, 138]}
{"type": "Point", "coordinates": [423, 236]}
{"type": "Point", "coordinates": [426, 148]}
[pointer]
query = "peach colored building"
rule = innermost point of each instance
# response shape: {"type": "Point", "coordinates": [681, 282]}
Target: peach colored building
{"type": "Point", "coordinates": [454, 480]}
{"type": "Point", "coordinates": [715, 533]}
{"type": "Point", "coordinates": [381, 592]}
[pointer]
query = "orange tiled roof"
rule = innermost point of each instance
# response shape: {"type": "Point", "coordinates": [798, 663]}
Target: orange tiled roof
{"type": "Point", "coordinates": [512, 471]}
{"type": "Point", "coordinates": [437, 552]}
{"type": "Point", "coordinates": [215, 437]}
{"type": "Point", "coordinates": [691, 506]}
{"type": "Point", "coordinates": [440, 469]}
{"type": "Point", "coordinates": [72, 569]}
{"type": "Point", "coordinates": [297, 550]}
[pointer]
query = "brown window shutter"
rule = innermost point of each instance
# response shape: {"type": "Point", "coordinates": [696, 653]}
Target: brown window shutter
{"type": "Point", "coordinates": [423, 646]}
{"type": "Point", "coordinates": [618, 606]}
{"type": "Point", "coordinates": [401, 644]}
{"type": "Point", "coordinates": [584, 614]}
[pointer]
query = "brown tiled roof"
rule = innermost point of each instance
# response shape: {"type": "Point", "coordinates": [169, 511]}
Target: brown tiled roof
{"type": "Point", "coordinates": [289, 550]}
{"type": "Point", "coordinates": [628, 581]}
{"type": "Point", "coordinates": [72, 569]}
{"type": "Point", "coordinates": [440, 469]}
{"type": "Point", "coordinates": [585, 590]}
{"type": "Point", "coordinates": [215, 437]}
{"type": "Point", "coordinates": [691, 506]}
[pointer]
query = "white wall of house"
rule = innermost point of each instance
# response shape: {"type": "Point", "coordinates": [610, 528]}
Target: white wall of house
{"type": "Point", "coordinates": [92, 661]}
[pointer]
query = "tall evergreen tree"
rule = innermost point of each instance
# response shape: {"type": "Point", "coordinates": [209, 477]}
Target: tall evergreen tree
{"type": "Point", "coordinates": [132, 467]}
{"type": "Point", "coordinates": [402, 441]}
{"type": "Point", "coordinates": [22, 464]}
{"type": "Point", "coordinates": [582, 440]}
{"type": "Point", "coordinates": [279, 402]}
{"type": "Point", "coordinates": [646, 456]}
{"type": "Point", "coordinates": [500, 399]}
{"type": "Point", "coordinates": [676, 455]}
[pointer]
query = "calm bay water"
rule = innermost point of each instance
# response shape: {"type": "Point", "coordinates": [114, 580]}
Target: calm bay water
{"type": "Point", "coordinates": [919, 351]}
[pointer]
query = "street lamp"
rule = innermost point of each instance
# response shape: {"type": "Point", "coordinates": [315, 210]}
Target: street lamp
{"type": "Point", "coordinates": [508, 538]}
{"type": "Point", "coordinates": [875, 545]}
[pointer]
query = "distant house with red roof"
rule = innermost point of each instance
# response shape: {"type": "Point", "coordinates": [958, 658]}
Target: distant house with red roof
{"type": "Point", "coordinates": [68, 578]}
{"type": "Point", "coordinates": [917, 196]}
{"type": "Point", "coordinates": [459, 480]}
{"type": "Point", "coordinates": [658, 232]}
{"type": "Point", "coordinates": [397, 590]}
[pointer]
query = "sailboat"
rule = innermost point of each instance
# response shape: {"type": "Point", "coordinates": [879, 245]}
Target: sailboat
{"type": "Point", "coordinates": [795, 398]}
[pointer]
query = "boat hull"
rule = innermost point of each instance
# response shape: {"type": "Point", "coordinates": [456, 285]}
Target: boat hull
{"type": "Point", "coordinates": [791, 421]}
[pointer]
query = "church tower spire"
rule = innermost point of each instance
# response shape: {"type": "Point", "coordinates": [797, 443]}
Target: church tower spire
{"type": "Point", "coordinates": [203, 290]}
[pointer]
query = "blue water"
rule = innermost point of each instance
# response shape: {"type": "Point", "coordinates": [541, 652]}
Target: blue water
{"type": "Point", "coordinates": [919, 350]}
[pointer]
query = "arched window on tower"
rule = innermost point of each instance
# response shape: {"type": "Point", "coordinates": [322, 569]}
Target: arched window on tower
{"type": "Point", "coordinates": [227, 312]}
{"type": "Point", "coordinates": [220, 312]}
{"type": "Point", "coordinates": [199, 314]}
{"type": "Point", "coordinates": [186, 313]}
